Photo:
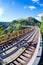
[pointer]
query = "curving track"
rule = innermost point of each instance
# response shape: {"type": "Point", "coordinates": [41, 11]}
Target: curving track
{"type": "Point", "coordinates": [20, 51]}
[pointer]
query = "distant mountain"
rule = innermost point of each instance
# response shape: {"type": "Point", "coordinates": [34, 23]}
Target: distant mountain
{"type": "Point", "coordinates": [32, 21]}
{"type": "Point", "coordinates": [4, 24]}
{"type": "Point", "coordinates": [8, 27]}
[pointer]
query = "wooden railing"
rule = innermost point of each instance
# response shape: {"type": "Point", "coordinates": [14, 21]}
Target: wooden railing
{"type": "Point", "coordinates": [13, 35]}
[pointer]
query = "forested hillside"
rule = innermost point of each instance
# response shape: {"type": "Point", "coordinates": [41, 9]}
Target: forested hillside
{"type": "Point", "coordinates": [15, 25]}
{"type": "Point", "coordinates": [41, 27]}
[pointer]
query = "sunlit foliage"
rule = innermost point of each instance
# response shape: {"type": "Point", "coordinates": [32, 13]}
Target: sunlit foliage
{"type": "Point", "coordinates": [41, 27]}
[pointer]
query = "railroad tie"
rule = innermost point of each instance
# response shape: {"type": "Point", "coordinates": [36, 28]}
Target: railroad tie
{"type": "Point", "coordinates": [21, 61]}
{"type": "Point", "coordinates": [16, 63]}
{"type": "Point", "coordinates": [24, 58]}
{"type": "Point", "coordinates": [29, 52]}
{"type": "Point", "coordinates": [27, 55]}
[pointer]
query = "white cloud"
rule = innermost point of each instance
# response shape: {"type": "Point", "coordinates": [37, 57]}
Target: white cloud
{"type": "Point", "coordinates": [40, 14]}
{"type": "Point", "coordinates": [1, 11]}
{"type": "Point", "coordinates": [15, 18]}
{"type": "Point", "coordinates": [35, 0]}
{"type": "Point", "coordinates": [25, 7]}
{"type": "Point", "coordinates": [31, 7]}
{"type": "Point", "coordinates": [38, 17]}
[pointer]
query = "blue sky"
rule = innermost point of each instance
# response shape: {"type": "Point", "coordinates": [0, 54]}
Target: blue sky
{"type": "Point", "coordinates": [15, 9]}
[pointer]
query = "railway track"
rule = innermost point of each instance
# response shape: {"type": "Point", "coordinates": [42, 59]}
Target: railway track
{"type": "Point", "coordinates": [17, 42]}
{"type": "Point", "coordinates": [20, 51]}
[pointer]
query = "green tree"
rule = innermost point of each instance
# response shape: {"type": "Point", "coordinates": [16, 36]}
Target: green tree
{"type": "Point", "coordinates": [17, 26]}
{"type": "Point", "coordinates": [1, 30]}
{"type": "Point", "coordinates": [41, 27]}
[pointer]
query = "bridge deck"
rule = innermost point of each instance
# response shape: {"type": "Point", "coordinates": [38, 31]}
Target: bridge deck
{"type": "Point", "coordinates": [21, 51]}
